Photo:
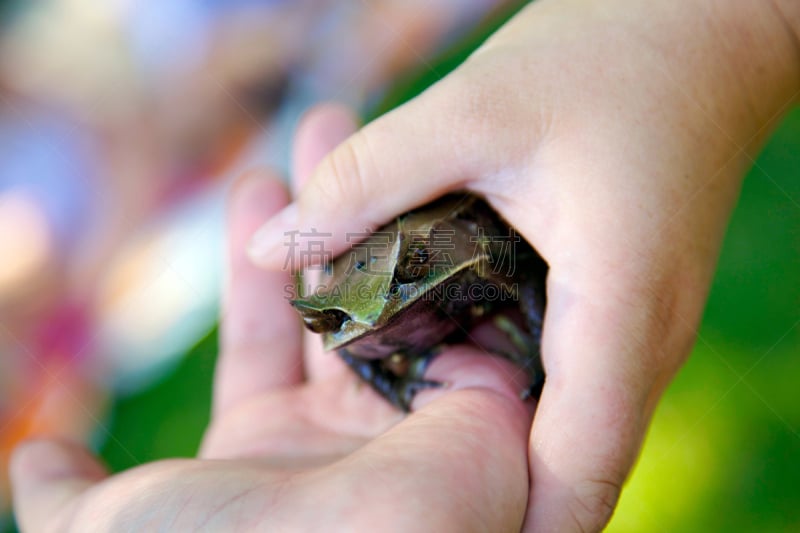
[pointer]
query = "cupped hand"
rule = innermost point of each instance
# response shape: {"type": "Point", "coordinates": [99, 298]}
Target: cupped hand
{"type": "Point", "coordinates": [614, 136]}
{"type": "Point", "coordinates": [296, 444]}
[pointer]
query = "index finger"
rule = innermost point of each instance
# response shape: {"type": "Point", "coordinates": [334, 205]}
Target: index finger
{"type": "Point", "coordinates": [399, 161]}
{"type": "Point", "coordinates": [260, 333]}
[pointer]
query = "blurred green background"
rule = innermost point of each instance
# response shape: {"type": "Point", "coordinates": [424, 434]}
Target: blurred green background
{"type": "Point", "coordinates": [723, 453]}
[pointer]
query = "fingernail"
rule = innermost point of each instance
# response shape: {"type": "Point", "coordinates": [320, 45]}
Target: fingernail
{"type": "Point", "coordinates": [269, 239]}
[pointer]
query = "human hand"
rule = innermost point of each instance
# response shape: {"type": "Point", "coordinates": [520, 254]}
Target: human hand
{"type": "Point", "coordinates": [614, 136]}
{"type": "Point", "coordinates": [294, 443]}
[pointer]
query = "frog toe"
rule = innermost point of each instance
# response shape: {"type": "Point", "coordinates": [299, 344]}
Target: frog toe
{"type": "Point", "coordinates": [399, 390]}
{"type": "Point", "coordinates": [406, 390]}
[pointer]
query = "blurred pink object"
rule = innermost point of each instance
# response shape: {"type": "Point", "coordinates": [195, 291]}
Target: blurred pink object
{"type": "Point", "coordinates": [51, 393]}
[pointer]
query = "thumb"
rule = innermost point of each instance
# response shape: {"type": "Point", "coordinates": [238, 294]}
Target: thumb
{"type": "Point", "coordinates": [608, 359]}
{"type": "Point", "coordinates": [46, 475]}
{"type": "Point", "coordinates": [401, 160]}
{"type": "Point", "coordinates": [460, 457]}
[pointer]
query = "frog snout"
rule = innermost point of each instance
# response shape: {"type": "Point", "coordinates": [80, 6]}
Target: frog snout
{"type": "Point", "coordinates": [320, 320]}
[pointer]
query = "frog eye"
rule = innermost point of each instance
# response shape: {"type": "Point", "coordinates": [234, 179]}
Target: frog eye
{"type": "Point", "coordinates": [320, 320]}
{"type": "Point", "coordinates": [326, 322]}
{"type": "Point", "coordinates": [414, 265]}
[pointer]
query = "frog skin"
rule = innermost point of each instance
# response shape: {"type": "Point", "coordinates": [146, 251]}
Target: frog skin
{"type": "Point", "coordinates": [424, 280]}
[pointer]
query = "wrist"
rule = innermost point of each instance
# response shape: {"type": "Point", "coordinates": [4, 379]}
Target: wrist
{"type": "Point", "coordinates": [759, 44]}
{"type": "Point", "coordinates": [737, 63]}
{"type": "Point", "coordinates": [789, 12]}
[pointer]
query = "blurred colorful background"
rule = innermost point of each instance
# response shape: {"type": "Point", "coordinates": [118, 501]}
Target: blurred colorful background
{"type": "Point", "coordinates": [122, 124]}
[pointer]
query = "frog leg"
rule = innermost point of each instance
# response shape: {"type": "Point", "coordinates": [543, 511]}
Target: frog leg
{"type": "Point", "coordinates": [532, 305]}
{"type": "Point", "coordinates": [527, 354]}
{"type": "Point", "coordinates": [398, 389]}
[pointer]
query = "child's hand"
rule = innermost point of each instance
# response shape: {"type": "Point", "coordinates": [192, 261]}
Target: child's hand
{"type": "Point", "coordinates": [614, 136]}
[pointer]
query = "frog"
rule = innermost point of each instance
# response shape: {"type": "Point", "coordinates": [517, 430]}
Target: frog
{"type": "Point", "coordinates": [423, 281]}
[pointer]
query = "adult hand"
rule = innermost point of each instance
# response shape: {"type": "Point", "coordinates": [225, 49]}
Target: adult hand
{"type": "Point", "coordinates": [295, 444]}
{"type": "Point", "coordinates": [614, 136]}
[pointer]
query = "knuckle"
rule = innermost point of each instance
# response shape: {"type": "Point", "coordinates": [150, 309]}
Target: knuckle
{"type": "Point", "coordinates": [490, 113]}
{"type": "Point", "coordinates": [343, 172]}
{"type": "Point", "coordinates": [667, 321]}
{"type": "Point", "coordinates": [654, 322]}
{"type": "Point", "coordinates": [593, 503]}
{"type": "Point", "coordinates": [472, 103]}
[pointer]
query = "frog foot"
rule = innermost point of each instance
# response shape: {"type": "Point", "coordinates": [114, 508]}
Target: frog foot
{"type": "Point", "coordinates": [397, 378]}
{"type": "Point", "coordinates": [526, 355]}
{"type": "Point", "coordinates": [534, 390]}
